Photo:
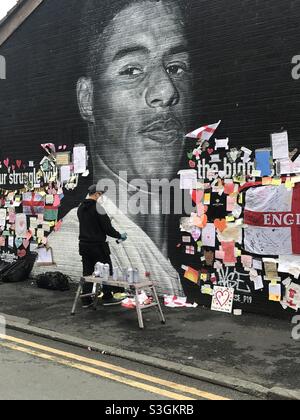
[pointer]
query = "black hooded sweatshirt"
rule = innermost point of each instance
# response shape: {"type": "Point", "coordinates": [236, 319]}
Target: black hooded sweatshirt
{"type": "Point", "coordinates": [95, 225]}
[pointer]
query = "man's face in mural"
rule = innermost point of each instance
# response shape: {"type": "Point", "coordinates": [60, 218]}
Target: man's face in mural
{"type": "Point", "coordinates": [141, 91]}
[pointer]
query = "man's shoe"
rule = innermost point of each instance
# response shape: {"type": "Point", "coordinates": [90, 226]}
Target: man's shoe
{"type": "Point", "coordinates": [112, 302]}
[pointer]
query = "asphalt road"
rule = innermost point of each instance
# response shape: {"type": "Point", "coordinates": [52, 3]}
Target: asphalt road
{"type": "Point", "coordinates": [33, 368]}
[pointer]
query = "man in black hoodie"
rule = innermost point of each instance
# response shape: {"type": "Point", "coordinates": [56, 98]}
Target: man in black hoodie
{"type": "Point", "coordinates": [95, 226]}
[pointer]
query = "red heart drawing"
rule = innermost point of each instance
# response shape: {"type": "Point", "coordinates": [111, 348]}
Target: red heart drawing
{"type": "Point", "coordinates": [19, 163]}
{"type": "Point", "coordinates": [210, 151]}
{"type": "Point", "coordinates": [6, 163]}
{"type": "Point", "coordinates": [222, 297]}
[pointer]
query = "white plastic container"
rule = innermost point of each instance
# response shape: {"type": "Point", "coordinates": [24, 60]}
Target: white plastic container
{"type": "Point", "coordinates": [99, 270]}
{"type": "Point", "coordinates": [136, 276]}
{"type": "Point", "coordinates": [106, 272]}
{"type": "Point", "coordinates": [116, 274]}
{"type": "Point", "coordinates": [130, 276]}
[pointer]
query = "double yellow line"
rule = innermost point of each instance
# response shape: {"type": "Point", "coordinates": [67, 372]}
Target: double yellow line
{"type": "Point", "coordinates": [92, 366]}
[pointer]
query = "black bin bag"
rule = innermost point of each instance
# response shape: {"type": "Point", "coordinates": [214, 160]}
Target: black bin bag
{"type": "Point", "coordinates": [19, 270]}
{"type": "Point", "coordinates": [53, 281]}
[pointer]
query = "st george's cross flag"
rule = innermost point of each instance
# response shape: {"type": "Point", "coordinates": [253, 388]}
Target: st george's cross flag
{"type": "Point", "coordinates": [272, 219]}
{"type": "Point", "coordinates": [204, 133]}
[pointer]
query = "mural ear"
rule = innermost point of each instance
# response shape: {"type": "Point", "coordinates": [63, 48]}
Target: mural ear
{"type": "Point", "coordinates": [85, 98]}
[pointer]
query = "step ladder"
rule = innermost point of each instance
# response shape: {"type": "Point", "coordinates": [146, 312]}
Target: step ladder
{"type": "Point", "coordinates": [146, 285]}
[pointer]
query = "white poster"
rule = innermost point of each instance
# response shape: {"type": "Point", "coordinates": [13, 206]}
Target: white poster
{"type": "Point", "coordinates": [79, 159]}
{"type": "Point", "coordinates": [3, 218]}
{"type": "Point", "coordinates": [280, 145]}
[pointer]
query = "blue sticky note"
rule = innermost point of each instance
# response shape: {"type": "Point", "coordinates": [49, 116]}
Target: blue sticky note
{"type": "Point", "coordinates": [263, 162]}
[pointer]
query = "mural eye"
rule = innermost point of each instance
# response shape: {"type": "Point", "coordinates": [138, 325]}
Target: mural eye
{"type": "Point", "coordinates": [176, 69]}
{"type": "Point", "coordinates": [131, 71]}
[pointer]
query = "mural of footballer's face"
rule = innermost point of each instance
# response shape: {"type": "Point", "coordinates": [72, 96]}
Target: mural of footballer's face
{"type": "Point", "coordinates": [138, 101]}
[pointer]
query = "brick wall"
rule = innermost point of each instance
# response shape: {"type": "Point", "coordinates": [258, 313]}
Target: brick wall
{"type": "Point", "coordinates": [242, 53]}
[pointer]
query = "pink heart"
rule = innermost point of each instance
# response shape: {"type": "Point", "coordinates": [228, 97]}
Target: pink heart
{"type": "Point", "coordinates": [197, 196]}
{"type": "Point", "coordinates": [6, 163]}
{"type": "Point", "coordinates": [26, 243]}
{"type": "Point", "coordinates": [19, 163]}
{"type": "Point", "coordinates": [223, 297]}
{"type": "Point", "coordinates": [210, 151]}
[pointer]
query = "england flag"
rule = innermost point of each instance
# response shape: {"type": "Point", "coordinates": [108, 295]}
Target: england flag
{"type": "Point", "coordinates": [272, 219]}
{"type": "Point", "coordinates": [204, 133]}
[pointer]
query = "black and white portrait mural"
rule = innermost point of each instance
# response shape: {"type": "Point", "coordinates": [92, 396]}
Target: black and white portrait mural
{"type": "Point", "coordinates": [129, 79]}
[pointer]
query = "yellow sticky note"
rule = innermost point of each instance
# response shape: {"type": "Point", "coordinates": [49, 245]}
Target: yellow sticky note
{"type": "Point", "coordinates": [274, 282]}
{"type": "Point", "coordinates": [256, 173]}
{"type": "Point", "coordinates": [274, 298]}
{"type": "Point", "coordinates": [238, 253]}
{"type": "Point", "coordinates": [276, 182]}
{"type": "Point", "coordinates": [267, 181]}
{"type": "Point", "coordinates": [207, 290]}
{"type": "Point", "coordinates": [289, 184]}
{"type": "Point", "coordinates": [230, 219]}
{"type": "Point", "coordinates": [207, 198]}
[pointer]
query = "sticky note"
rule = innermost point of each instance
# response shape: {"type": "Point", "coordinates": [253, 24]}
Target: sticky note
{"type": "Point", "coordinates": [262, 162]}
{"type": "Point", "coordinates": [276, 182]}
{"type": "Point", "coordinates": [207, 198]}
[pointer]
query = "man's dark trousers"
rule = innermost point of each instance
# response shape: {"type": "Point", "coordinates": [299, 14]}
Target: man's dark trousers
{"type": "Point", "coordinates": [93, 253]}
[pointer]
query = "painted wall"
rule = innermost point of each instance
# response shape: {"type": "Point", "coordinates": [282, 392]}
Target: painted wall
{"type": "Point", "coordinates": [231, 61]}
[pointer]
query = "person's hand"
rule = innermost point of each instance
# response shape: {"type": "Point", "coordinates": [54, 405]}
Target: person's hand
{"type": "Point", "coordinates": [124, 237]}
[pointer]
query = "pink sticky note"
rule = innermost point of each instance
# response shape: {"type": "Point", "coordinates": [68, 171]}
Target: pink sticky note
{"type": "Point", "coordinates": [12, 217]}
{"type": "Point", "coordinates": [231, 203]}
{"type": "Point", "coordinates": [220, 255]}
{"type": "Point", "coordinates": [228, 248]}
{"type": "Point", "coordinates": [200, 209]}
{"type": "Point", "coordinates": [229, 188]}
{"type": "Point", "coordinates": [28, 235]}
{"type": "Point", "coordinates": [247, 261]}
{"type": "Point", "coordinates": [56, 201]}
{"type": "Point", "coordinates": [58, 226]}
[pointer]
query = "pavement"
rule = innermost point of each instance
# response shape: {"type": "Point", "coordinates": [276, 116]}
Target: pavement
{"type": "Point", "coordinates": [251, 353]}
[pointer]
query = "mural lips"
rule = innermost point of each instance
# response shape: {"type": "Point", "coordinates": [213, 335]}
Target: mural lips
{"type": "Point", "coordinates": [163, 130]}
